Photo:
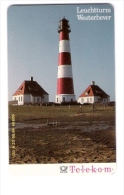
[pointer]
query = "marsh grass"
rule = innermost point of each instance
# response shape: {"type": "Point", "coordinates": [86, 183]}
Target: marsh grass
{"type": "Point", "coordinates": [74, 113]}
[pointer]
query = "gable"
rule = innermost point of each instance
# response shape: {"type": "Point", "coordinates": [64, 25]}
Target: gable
{"type": "Point", "coordinates": [94, 90]}
{"type": "Point", "coordinates": [30, 87]}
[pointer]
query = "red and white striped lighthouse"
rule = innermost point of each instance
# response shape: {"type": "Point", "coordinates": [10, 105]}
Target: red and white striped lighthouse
{"type": "Point", "coordinates": [65, 88]}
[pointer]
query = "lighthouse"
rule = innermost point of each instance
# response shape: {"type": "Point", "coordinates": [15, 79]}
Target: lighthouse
{"type": "Point", "coordinates": [65, 88]}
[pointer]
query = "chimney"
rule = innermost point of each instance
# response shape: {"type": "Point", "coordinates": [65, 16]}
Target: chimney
{"type": "Point", "coordinates": [31, 78]}
{"type": "Point", "coordinates": [93, 83]}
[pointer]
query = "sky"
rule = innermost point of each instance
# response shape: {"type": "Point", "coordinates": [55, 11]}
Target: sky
{"type": "Point", "coordinates": [33, 46]}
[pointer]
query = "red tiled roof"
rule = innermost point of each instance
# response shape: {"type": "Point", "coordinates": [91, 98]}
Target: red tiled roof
{"type": "Point", "coordinates": [30, 87]}
{"type": "Point", "coordinates": [94, 90]}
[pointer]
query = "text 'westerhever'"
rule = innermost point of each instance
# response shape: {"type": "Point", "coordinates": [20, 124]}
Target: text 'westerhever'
{"type": "Point", "coordinates": [81, 14]}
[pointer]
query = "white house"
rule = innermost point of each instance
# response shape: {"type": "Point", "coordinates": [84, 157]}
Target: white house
{"type": "Point", "coordinates": [93, 94]}
{"type": "Point", "coordinates": [30, 92]}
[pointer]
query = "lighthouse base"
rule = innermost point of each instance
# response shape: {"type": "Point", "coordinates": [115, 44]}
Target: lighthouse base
{"type": "Point", "coordinates": [65, 98]}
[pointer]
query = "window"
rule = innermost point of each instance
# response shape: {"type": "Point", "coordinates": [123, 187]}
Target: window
{"type": "Point", "coordinates": [15, 98]}
{"type": "Point", "coordinates": [63, 99]}
{"type": "Point", "coordinates": [71, 100]}
{"type": "Point", "coordinates": [34, 99]}
{"type": "Point", "coordinates": [21, 98]}
{"type": "Point", "coordinates": [33, 88]}
{"type": "Point", "coordinates": [57, 99]}
{"type": "Point", "coordinates": [38, 99]}
{"type": "Point", "coordinates": [89, 91]}
{"type": "Point", "coordinates": [90, 99]}
{"type": "Point", "coordinates": [87, 99]}
{"type": "Point", "coordinates": [21, 88]}
{"type": "Point", "coordinates": [82, 100]}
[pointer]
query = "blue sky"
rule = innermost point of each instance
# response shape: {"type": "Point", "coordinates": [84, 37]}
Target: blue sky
{"type": "Point", "coordinates": [33, 44]}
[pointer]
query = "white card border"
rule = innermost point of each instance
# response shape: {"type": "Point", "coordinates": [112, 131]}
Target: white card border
{"type": "Point", "coordinates": [109, 181]}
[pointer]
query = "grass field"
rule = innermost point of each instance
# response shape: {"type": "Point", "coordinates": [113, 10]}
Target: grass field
{"type": "Point", "coordinates": [23, 113]}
